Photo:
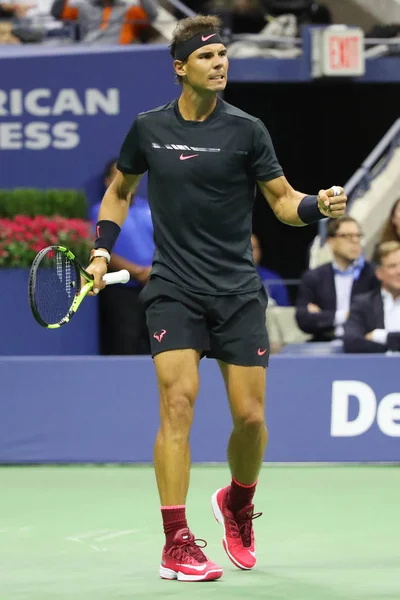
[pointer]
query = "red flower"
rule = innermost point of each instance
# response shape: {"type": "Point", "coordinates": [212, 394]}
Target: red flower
{"type": "Point", "coordinates": [22, 237]}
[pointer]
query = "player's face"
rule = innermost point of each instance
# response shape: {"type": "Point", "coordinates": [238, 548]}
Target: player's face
{"type": "Point", "coordinates": [347, 243]}
{"type": "Point", "coordinates": [389, 272]}
{"type": "Point", "coordinates": [206, 69]}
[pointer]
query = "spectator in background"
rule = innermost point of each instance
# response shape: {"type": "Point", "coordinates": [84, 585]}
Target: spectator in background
{"type": "Point", "coordinates": [239, 16]}
{"type": "Point", "coordinates": [107, 21]}
{"type": "Point", "coordinates": [123, 328]}
{"type": "Point", "coordinates": [247, 17]}
{"type": "Point", "coordinates": [9, 13]}
{"type": "Point", "coordinates": [6, 33]}
{"type": "Point", "coordinates": [9, 10]}
{"type": "Point", "coordinates": [325, 293]}
{"type": "Point", "coordinates": [391, 229]}
{"type": "Point", "coordinates": [374, 321]}
{"type": "Point", "coordinates": [271, 280]}
{"type": "Point", "coordinates": [306, 11]}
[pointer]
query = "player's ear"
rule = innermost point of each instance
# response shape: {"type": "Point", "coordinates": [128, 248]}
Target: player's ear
{"type": "Point", "coordinates": [180, 67]}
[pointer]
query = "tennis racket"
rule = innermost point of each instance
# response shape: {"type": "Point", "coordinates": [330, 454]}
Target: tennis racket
{"type": "Point", "coordinates": [55, 290]}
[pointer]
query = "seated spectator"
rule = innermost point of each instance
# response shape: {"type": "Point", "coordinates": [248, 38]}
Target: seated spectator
{"type": "Point", "coordinates": [123, 328]}
{"type": "Point", "coordinates": [6, 33]}
{"type": "Point", "coordinates": [247, 17]}
{"type": "Point", "coordinates": [9, 10]}
{"type": "Point", "coordinates": [271, 280]}
{"type": "Point", "coordinates": [374, 321]}
{"type": "Point", "coordinates": [10, 14]}
{"type": "Point", "coordinates": [306, 11]}
{"type": "Point", "coordinates": [325, 293]}
{"type": "Point", "coordinates": [391, 229]}
{"type": "Point", "coordinates": [239, 16]}
{"type": "Point", "coordinates": [107, 21]}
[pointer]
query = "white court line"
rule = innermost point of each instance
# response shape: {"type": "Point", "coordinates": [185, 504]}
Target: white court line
{"type": "Point", "coordinates": [71, 539]}
{"type": "Point", "coordinates": [84, 543]}
{"type": "Point", "coordinates": [116, 534]}
{"type": "Point", "coordinates": [77, 537]}
{"type": "Point", "coordinates": [97, 549]}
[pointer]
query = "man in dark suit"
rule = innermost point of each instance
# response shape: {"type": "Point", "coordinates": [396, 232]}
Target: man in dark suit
{"type": "Point", "coordinates": [325, 293]}
{"type": "Point", "coordinates": [374, 321]}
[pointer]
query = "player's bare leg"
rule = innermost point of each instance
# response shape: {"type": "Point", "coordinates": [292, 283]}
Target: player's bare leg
{"type": "Point", "coordinates": [245, 387]}
{"type": "Point", "coordinates": [232, 505]}
{"type": "Point", "coordinates": [178, 382]}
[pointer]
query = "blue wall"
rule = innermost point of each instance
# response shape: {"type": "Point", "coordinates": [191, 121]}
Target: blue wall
{"type": "Point", "coordinates": [21, 335]}
{"type": "Point", "coordinates": [88, 409]}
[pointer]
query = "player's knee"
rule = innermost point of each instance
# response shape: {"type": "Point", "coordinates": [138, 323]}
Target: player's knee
{"type": "Point", "coordinates": [250, 421]}
{"type": "Point", "coordinates": [177, 408]}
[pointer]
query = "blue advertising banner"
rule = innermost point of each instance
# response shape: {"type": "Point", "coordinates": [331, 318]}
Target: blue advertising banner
{"type": "Point", "coordinates": [64, 115]}
{"type": "Point", "coordinates": [98, 409]}
{"type": "Point", "coordinates": [65, 111]}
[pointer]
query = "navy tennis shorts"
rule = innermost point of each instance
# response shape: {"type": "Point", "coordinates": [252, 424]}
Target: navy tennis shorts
{"type": "Point", "coordinates": [230, 328]}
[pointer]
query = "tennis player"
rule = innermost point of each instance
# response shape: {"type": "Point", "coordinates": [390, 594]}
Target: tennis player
{"type": "Point", "coordinates": [204, 297]}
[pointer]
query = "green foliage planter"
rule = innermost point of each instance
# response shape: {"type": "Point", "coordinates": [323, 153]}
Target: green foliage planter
{"type": "Point", "coordinates": [31, 202]}
{"type": "Point", "coordinates": [31, 219]}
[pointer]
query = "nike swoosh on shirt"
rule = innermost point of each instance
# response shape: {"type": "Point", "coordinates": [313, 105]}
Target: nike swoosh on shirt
{"type": "Point", "coordinates": [183, 157]}
{"type": "Point", "coordinates": [207, 37]}
{"type": "Point", "coordinates": [200, 568]}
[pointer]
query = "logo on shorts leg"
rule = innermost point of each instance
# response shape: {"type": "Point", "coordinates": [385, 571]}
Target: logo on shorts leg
{"type": "Point", "coordinates": [159, 336]}
{"type": "Point", "coordinates": [261, 352]}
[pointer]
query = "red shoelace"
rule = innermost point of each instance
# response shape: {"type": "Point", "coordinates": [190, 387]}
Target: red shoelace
{"type": "Point", "coordinates": [190, 548]}
{"type": "Point", "coordinates": [242, 528]}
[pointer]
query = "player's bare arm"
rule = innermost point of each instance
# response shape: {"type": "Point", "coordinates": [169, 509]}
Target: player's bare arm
{"type": "Point", "coordinates": [285, 200]}
{"type": "Point", "coordinates": [115, 203]}
{"type": "Point", "coordinates": [114, 209]}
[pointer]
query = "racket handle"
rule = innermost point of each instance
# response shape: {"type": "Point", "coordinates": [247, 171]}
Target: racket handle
{"type": "Point", "coordinates": [117, 277]}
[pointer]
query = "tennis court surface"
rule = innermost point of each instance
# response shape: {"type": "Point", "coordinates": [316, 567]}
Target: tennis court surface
{"type": "Point", "coordinates": [95, 533]}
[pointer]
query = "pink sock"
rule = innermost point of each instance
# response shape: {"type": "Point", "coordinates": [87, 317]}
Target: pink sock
{"type": "Point", "coordinates": [240, 495]}
{"type": "Point", "coordinates": [174, 518]}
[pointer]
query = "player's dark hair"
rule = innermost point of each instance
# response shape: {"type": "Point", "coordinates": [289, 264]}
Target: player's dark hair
{"type": "Point", "coordinates": [384, 249]}
{"type": "Point", "coordinates": [191, 26]}
{"type": "Point", "coordinates": [333, 224]}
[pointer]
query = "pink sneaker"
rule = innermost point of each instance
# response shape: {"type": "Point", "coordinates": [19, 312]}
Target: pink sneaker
{"type": "Point", "coordinates": [238, 540]}
{"type": "Point", "coordinates": [185, 560]}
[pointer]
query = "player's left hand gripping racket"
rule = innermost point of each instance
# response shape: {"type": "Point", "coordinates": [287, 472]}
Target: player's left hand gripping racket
{"type": "Point", "coordinates": [55, 291]}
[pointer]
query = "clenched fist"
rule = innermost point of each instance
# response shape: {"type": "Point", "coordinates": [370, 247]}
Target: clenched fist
{"type": "Point", "coordinates": [332, 203]}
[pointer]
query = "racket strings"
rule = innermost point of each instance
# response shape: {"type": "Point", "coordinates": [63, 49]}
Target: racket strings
{"type": "Point", "coordinates": [57, 283]}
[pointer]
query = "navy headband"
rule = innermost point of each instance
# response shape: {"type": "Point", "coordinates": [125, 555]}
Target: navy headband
{"type": "Point", "coordinates": [198, 41]}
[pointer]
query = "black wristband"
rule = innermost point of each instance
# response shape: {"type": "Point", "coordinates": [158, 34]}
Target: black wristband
{"type": "Point", "coordinates": [107, 233]}
{"type": "Point", "coordinates": [308, 210]}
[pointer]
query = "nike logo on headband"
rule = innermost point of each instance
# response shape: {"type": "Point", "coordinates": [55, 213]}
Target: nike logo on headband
{"type": "Point", "coordinates": [207, 37]}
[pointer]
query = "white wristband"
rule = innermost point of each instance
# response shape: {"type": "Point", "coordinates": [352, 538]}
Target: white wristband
{"type": "Point", "coordinates": [102, 253]}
